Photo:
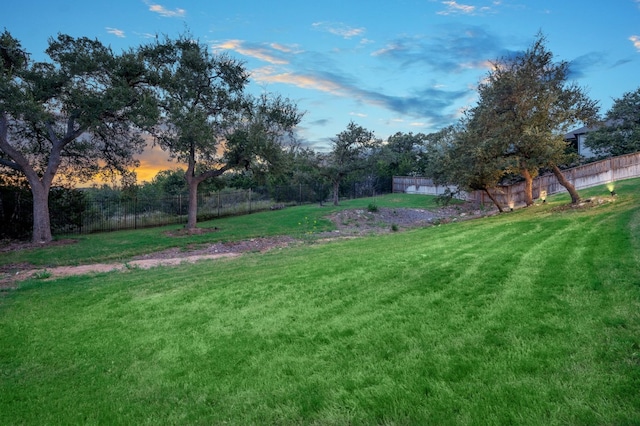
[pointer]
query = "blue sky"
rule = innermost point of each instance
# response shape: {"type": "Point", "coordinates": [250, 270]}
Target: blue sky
{"type": "Point", "coordinates": [389, 66]}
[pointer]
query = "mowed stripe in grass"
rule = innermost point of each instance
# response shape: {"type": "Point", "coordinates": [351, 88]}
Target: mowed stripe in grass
{"type": "Point", "coordinates": [526, 318]}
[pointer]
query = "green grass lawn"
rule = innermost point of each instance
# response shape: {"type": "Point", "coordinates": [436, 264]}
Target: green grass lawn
{"type": "Point", "coordinates": [530, 317]}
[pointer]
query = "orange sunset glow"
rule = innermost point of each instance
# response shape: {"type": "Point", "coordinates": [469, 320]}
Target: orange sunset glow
{"type": "Point", "coordinates": [153, 160]}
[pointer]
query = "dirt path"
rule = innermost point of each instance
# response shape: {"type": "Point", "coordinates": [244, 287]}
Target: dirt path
{"type": "Point", "coordinates": [65, 271]}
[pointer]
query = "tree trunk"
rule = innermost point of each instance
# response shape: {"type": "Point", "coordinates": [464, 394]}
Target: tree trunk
{"type": "Point", "coordinates": [494, 200]}
{"type": "Point", "coordinates": [41, 219]}
{"type": "Point", "coordinates": [192, 212]}
{"type": "Point", "coordinates": [575, 197]}
{"type": "Point", "coordinates": [336, 192]}
{"type": "Point", "coordinates": [528, 187]}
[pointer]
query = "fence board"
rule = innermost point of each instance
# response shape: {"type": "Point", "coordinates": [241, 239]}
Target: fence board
{"type": "Point", "coordinates": [585, 176]}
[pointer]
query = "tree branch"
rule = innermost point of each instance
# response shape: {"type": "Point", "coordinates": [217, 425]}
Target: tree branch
{"type": "Point", "coordinates": [11, 164]}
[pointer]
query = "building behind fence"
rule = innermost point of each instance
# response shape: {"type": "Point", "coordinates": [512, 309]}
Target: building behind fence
{"type": "Point", "coordinates": [585, 176]}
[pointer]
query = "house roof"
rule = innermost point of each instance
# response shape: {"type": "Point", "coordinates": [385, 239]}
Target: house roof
{"type": "Point", "coordinates": [581, 131]}
{"type": "Point", "coordinates": [586, 129]}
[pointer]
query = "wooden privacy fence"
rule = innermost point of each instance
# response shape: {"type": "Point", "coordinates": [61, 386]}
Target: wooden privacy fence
{"type": "Point", "coordinates": [585, 176]}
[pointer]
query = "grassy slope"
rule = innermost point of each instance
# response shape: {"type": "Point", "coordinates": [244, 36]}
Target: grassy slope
{"type": "Point", "coordinates": [531, 317]}
{"type": "Point", "coordinates": [123, 245]}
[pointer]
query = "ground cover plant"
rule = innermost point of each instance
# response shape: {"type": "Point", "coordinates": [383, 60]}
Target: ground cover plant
{"type": "Point", "coordinates": [530, 317]}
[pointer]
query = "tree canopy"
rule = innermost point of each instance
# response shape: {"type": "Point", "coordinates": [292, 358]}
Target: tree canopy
{"type": "Point", "coordinates": [349, 153]}
{"type": "Point", "coordinates": [79, 114]}
{"type": "Point", "coordinates": [525, 108]}
{"type": "Point", "coordinates": [620, 133]}
{"type": "Point", "coordinates": [207, 120]}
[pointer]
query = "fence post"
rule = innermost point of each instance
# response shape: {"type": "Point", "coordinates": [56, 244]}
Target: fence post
{"type": "Point", "coordinates": [218, 203]}
{"type": "Point", "coordinates": [249, 200]}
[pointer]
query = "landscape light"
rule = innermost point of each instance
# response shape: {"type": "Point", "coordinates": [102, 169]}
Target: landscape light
{"type": "Point", "coordinates": [543, 196]}
{"type": "Point", "coordinates": [511, 205]}
{"type": "Point", "coordinates": [611, 186]}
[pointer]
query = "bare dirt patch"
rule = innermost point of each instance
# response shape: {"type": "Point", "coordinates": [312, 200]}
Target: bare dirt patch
{"type": "Point", "coordinates": [349, 223]}
{"type": "Point", "coordinates": [357, 222]}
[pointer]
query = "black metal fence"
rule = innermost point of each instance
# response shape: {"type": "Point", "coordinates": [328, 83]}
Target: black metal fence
{"type": "Point", "coordinates": [78, 212]}
{"type": "Point", "coordinates": [142, 212]}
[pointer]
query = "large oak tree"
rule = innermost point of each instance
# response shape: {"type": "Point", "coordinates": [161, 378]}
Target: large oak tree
{"type": "Point", "coordinates": [78, 114]}
{"type": "Point", "coordinates": [527, 106]}
{"type": "Point", "coordinates": [208, 121]}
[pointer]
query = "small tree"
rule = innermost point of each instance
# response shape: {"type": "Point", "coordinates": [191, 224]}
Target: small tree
{"type": "Point", "coordinates": [464, 156]}
{"type": "Point", "coordinates": [349, 153]}
{"type": "Point", "coordinates": [207, 121]}
{"type": "Point", "coordinates": [620, 134]}
{"type": "Point", "coordinates": [77, 115]}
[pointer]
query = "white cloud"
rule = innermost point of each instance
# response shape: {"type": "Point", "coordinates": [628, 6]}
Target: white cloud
{"type": "Point", "coordinates": [339, 29]}
{"type": "Point", "coordinates": [254, 52]}
{"type": "Point", "coordinates": [268, 75]}
{"type": "Point", "coordinates": [116, 32]}
{"type": "Point", "coordinates": [635, 40]}
{"type": "Point", "coordinates": [286, 49]}
{"type": "Point", "coordinates": [391, 47]}
{"type": "Point", "coordinates": [454, 8]}
{"type": "Point", "coordinates": [161, 10]}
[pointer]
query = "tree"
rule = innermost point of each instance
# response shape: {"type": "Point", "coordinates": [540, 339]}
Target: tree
{"type": "Point", "coordinates": [462, 155]}
{"type": "Point", "coordinates": [207, 120]}
{"type": "Point", "coordinates": [404, 153]}
{"type": "Point", "coordinates": [77, 115]}
{"type": "Point", "coordinates": [400, 155]}
{"type": "Point", "coordinates": [620, 133]}
{"type": "Point", "coordinates": [438, 150]}
{"type": "Point", "coordinates": [526, 106]}
{"type": "Point", "coordinates": [349, 153]}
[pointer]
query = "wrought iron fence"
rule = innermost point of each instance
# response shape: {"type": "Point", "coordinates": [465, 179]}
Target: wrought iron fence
{"type": "Point", "coordinates": [88, 213]}
{"type": "Point", "coordinates": [142, 212]}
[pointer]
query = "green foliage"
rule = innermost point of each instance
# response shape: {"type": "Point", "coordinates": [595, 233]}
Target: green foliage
{"type": "Point", "coordinates": [350, 152]}
{"type": "Point", "coordinates": [401, 155]}
{"type": "Point", "coordinates": [79, 114]}
{"type": "Point", "coordinates": [372, 207]}
{"type": "Point", "coordinates": [308, 226]}
{"type": "Point", "coordinates": [525, 108]}
{"type": "Point", "coordinates": [16, 208]}
{"type": "Point", "coordinates": [42, 275]}
{"type": "Point", "coordinates": [620, 134]}
{"type": "Point", "coordinates": [539, 325]}
{"type": "Point", "coordinates": [209, 122]}
{"type": "Point", "coordinates": [446, 198]}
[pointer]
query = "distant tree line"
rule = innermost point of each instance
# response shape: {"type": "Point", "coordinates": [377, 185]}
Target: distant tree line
{"type": "Point", "coordinates": [89, 111]}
